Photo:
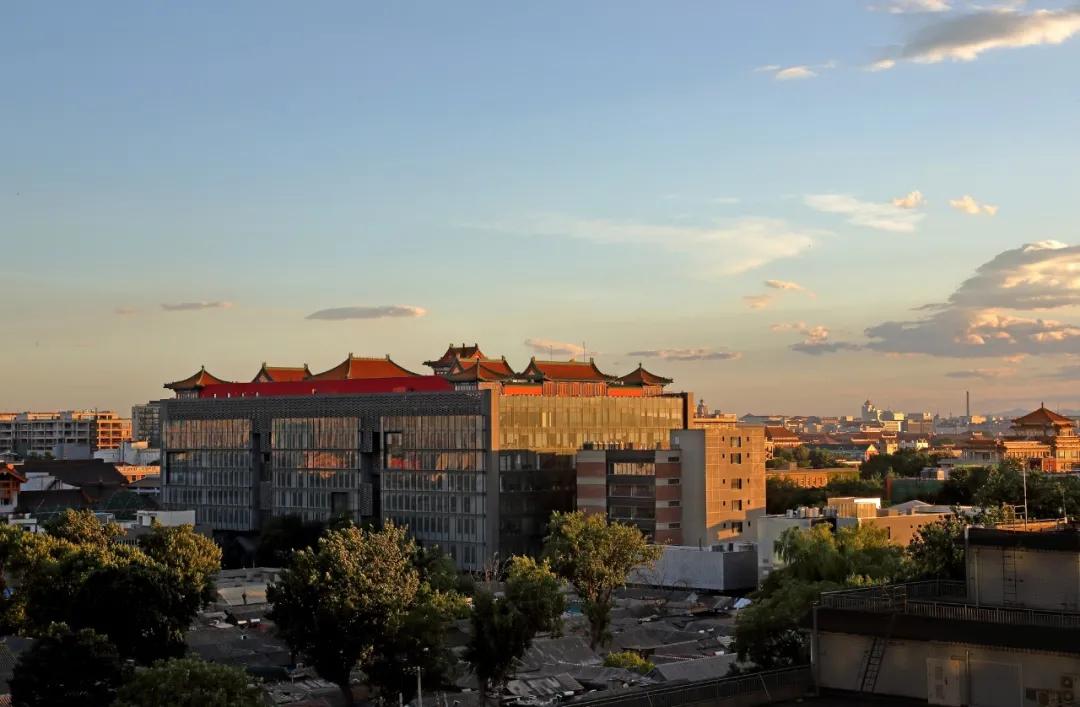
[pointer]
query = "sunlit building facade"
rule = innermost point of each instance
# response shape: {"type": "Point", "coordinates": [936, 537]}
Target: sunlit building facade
{"type": "Point", "coordinates": [473, 460]}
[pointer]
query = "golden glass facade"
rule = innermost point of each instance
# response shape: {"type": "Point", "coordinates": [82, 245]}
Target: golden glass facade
{"type": "Point", "coordinates": [208, 466]}
{"type": "Point", "coordinates": [316, 468]}
{"type": "Point", "coordinates": [565, 425]}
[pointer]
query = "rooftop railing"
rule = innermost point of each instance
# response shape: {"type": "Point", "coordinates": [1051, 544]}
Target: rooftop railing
{"type": "Point", "coordinates": [940, 599]}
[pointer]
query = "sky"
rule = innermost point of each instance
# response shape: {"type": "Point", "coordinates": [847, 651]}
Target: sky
{"type": "Point", "coordinates": [785, 206]}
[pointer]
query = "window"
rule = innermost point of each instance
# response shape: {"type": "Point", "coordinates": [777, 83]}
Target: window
{"type": "Point", "coordinates": [736, 483]}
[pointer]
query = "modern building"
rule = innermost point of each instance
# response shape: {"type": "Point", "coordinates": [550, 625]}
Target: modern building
{"type": "Point", "coordinates": [146, 424]}
{"type": "Point", "coordinates": [1008, 636]}
{"type": "Point", "coordinates": [38, 433]}
{"type": "Point", "coordinates": [474, 460]}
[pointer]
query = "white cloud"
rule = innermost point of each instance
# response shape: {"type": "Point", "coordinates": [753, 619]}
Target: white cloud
{"type": "Point", "coordinates": [969, 205]}
{"type": "Point", "coordinates": [368, 312]}
{"type": "Point", "coordinates": [550, 347]}
{"type": "Point", "coordinates": [727, 248]}
{"type": "Point", "coordinates": [965, 37]}
{"type": "Point", "coordinates": [883, 217]}
{"type": "Point", "coordinates": [757, 301]}
{"type": "Point", "coordinates": [903, 7]}
{"type": "Point", "coordinates": [795, 72]}
{"type": "Point", "coordinates": [816, 339]}
{"type": "Point", "coordinates": [881, 65]}
{"type": "Point", "coordinates": [688, 354]}
{"type": "Point", "coordinates": [194, 306]}
{"type": "Point", "coordinates": [785, 285]}
{"type": "Point", "coordinates": [986, 317]}
{"type": "Point", "coordinates": [912, 201]}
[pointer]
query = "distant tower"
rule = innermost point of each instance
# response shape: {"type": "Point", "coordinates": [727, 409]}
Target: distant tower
{"type": "Point", "coordinates": [967, 403]}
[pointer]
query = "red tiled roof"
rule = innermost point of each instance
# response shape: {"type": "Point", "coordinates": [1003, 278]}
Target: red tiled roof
{"type": "Point", "coordinates": [585, 371]}
{"type": "Point", "coordinates": [193, 382]}
{"type": "Point", "coordinates": [456, 353]}
{"type": "Point", "coordinates": [639, 376]}
{"type": "Point", "coordinates": [481, 371]}
{"type": "Point", "coordinates": [356, 367]}
{"type": "Point", "coordinates": [777, 432]}
{"type": "Point", "coordinates": [494, 365]}
{"type": "Point", "coordinates": [1043, 416]}
{"type": "Point", "coordinates": [11, 470]}
{"type": "Point", "coordinates": [281, 374]}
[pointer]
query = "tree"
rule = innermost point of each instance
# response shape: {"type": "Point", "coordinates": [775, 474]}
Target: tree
{"type": "Point", "coordinates": [67, 668]}
{"type": "Point", "coordinates": [937, 550]}
{"type": "Point", "coordinates": [536, 591]}
{"type": "Point", "coordinates": [629, 660]}
{"type": "Point", "coordinates": [596, 557]}
{"type": "Point", "coordinates": [189, 682]}
{"type": "Point", "coordinates": [498, 638]}
{"type": "Point", "coordinates": [82, 528]}
{"type": "Point", "coordinates": [193, 558]}
{"type": "Point", "coordinates": [816, 559]}
{"type": "Point", "coordinates": [334, 604]}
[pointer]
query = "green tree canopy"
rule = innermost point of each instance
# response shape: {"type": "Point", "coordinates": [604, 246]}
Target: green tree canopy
{"type": "Point", "coordinates": [82, 528]}
{"type": "Point", "coordinates": [189, 682]}
{"type": "Point", "coordinates": [333, 604]}
{"type": "Point", "coordinates": [193, 559]}
{"type": "Point", "coordinates": [67, 668]}
{"type": "Point", "coordinates": [596, 557]}
{"type": "Point", "coordinates": [817, 559]}
{"type": "Point", "coordinates": [536, 591]}
{"type": "Point", "coordinates": [629, 660]}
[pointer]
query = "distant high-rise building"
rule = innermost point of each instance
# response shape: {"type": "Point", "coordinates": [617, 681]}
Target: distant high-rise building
{"type": "Point", "coordinates": [870, 413]}
{"type": "Point", "coordinates": [146, 423]}
{"type": "Point", "coordinates": [38, 433]}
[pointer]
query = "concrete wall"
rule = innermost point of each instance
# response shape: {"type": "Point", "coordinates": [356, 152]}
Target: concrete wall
{"type": "Point", "coordinates": [703, 569]}
{"type": "Point", "coordinates": [691, 444]}
{"type": "Point", "coordinates": [978, 676]}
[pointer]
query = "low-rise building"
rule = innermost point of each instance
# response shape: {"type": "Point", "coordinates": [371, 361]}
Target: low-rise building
{"type": "Point", "coordinates": [1008, 636]}
{"type": "Point", "coordinates": [813, 478]}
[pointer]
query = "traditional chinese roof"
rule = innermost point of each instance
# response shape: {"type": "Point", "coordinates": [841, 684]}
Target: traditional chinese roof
{"type": "Point", "coordinates": [13, 472]}
{"type": "Point", "coordinates": [481, 371]}
{"type": "Point", "coordinates": [456, 353]}
{"type": "Point", "coordinates": [358, 367]}
{"type": "Point", "coordinates": [493, 365]}
{"type": "Point", "coordinates": [281, 374]}
{"type": "Point", "coordinates": [775, 432]}
{"type": "Point", "coordinates": [199, 380]}
{"type": "Point", "coordinates": [573, 371]}
{"type": "Point", "coordinates": [639, 376]}
{"type": "Point", "coordinates": [1042, 417]}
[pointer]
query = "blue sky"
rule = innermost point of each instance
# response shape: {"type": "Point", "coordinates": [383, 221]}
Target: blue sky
{"type": "Point", "coordinates": [620, 174]}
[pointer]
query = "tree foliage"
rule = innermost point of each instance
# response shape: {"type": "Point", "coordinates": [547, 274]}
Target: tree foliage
{"type": "Point", "coordinates": [937, 550]}
{"type": "Point", "coordinates": [192, 558]}
{"type": "Point", "coordinates": [629, 660]}
{"type": "Point", "coordinates": [768, 633]}
{"type": "Point", "coordinates": [280, 536]}
{"type": "Point", "coordinates": [82, 528]}
{"type": "Point", "coordinates": [596, 557]}
{"type": "Point", "coordinates": [67, 668]}
{"type": "Point", "coordinates": [189, 682]}
{"type": "Point", "coordinates": [536, 591]}
{"type": "Point", "coordinates": [905, 462]}
{"type": "Point", "coordinates": [332, 604]}
{"type": "Point", "coordinates": [783, 494]}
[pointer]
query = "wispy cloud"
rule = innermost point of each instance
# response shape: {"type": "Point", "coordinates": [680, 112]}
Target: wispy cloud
{"type": "Point", "coordinates": [125, 311]}
{"type": "Point", "coordinates": [385, 311]}
{"type": "Point", "coordinates": [965, 37]}
{"type": "Point", "coordinates": [985, 374]}
{"type": "Point", "coordinates": [903, 7]}
{"type": "Point", "coordinates": [688, 354]}
{"type": "Point", "coordinates": [550, 347]}
{"type": "Point", "coordinates": [757, 301]}
{"type": "Point", "coordinates": [727, 248]}
{"type": "Point", "coordinates": [883, 217]}
{"type": "Point", "coordinates": [913, 200]}
{"type": "Point", "coordinates": [970, 206]}
{"type": "Point", "coordinates": [194, 306]}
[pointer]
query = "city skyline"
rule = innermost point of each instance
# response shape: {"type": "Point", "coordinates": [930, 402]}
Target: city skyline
{"type": "Point", "coordinates": [879, 207]}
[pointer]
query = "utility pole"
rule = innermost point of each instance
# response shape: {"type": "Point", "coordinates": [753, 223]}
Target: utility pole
{"type": "Point", "coordinates": [419, 694]}
{"type": "Point", "coordinates": [1023, 475]}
